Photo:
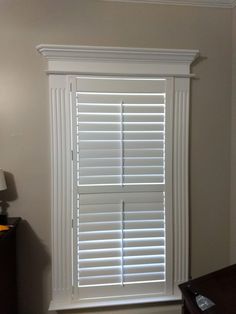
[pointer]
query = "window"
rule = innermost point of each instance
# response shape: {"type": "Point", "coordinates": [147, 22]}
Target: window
{"type": "Point", "coordinates": [122, 115]}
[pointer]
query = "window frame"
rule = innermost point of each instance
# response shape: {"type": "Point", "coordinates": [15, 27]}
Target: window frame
{"type": "Point", "coordinates": [64, 61]}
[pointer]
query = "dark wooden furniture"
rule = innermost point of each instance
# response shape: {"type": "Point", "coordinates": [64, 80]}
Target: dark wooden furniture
{"type": "Point", "coordinates": [8, 284]}
{"type": "Point", "coordinates": [219, 286]}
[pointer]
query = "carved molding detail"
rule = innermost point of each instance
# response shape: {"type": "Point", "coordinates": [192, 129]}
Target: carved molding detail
{"type": "Point", "coordinates": [61, 188]}
{"type": "Point", "coordinates": [180, 181]}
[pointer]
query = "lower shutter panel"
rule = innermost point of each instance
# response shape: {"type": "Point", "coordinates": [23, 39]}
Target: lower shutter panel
{"type": "Point", "coordinates": [121, 244]}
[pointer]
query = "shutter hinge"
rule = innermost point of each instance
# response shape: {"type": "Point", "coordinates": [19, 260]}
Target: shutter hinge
{"type": "Point", "coordinates": [72, 155]}
{"type": "Point", "coordinates": [72, 223]}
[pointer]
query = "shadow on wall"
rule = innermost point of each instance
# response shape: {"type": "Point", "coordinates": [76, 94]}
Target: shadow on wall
{"type": "Point", "coordinates": [10, 194]}
{"type": "Point", "coordinates": [33, 264]}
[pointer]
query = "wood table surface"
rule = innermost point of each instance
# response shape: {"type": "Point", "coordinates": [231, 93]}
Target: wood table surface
{"type": "Point", "coordinates": [219, 286]}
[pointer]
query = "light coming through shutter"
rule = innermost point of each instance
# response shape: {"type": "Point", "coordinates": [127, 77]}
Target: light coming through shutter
{"type": "Point", "coordinates": [120, 129]}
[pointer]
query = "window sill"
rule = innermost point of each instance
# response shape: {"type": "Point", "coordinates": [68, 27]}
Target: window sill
{"type": "Point", "coordinates": [163, 300]}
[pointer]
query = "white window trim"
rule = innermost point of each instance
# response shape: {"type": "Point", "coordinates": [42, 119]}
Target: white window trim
{"type": "Point", "coordinates": [69, 60]}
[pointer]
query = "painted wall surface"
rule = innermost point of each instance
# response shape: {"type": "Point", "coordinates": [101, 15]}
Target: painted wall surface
{"type": "Point", "coordinates": [233, 148]}
{"type": "Point", "coordinates": [24, 118]}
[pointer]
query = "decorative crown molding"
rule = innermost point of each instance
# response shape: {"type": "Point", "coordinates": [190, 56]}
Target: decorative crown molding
{"type": "Point", "coordinates": [122, 61]}
{"type": "Point", "coordinates": [94, 53]}
{"type": "Point", "coordinates": [229, 4]}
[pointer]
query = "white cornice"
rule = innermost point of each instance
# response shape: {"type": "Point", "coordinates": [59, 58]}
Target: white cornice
{"type": "Point", "coordinates": [117, 60]}
{"type": "Point", "coordinates": [90, 53]}
{"type": "Point", "coordinates": [229, 4]}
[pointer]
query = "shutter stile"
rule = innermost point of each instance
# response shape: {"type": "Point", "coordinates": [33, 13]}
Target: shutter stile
{"type": "Point", "coordinates": [120, 127]}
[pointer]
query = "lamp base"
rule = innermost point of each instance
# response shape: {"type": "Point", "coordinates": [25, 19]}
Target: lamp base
{"type": "Point", "coordinates": [3, 219]}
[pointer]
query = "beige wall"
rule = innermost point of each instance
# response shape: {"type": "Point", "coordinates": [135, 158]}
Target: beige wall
{"type": "Point", "coordinates": [24, 117]}
{"type": "Point", "coordinates": [233, 149]}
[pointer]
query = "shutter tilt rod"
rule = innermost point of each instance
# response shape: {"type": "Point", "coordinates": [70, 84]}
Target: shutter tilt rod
{"type": "Point", "coordinates": [122, 241]}
{"type": "Point", "coordinates": [122, 143]}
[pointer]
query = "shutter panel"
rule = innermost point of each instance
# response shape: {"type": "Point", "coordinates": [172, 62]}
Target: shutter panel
{"type": "Point", "coordinates": [121, 238]}
{"type": "Point", "coordinates": [120, 135]}
{"type": "Point", "coordinates": [118, 122]}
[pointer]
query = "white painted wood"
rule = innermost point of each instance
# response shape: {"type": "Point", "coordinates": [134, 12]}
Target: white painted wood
{"type": "Point", "coordinates": [66, 60]}
{"type": "Point", "coordinates": [61, 188]}
{"type": "Point", "coordinates": [168, 185]}
{"type": "Point", "coordinates": [117, 60]}
{"type": "Point", "coordinates": [56, 306]}
{"type": "Point", "coordinates": [228, 4]}
{"type": "Point", "coordinates": [180, 181]}
{"type": "Point", "coordinates": [100, 53]}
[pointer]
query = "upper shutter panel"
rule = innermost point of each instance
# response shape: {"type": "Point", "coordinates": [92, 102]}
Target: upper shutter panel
{"type": "Point", "coordinates": [120, 131]}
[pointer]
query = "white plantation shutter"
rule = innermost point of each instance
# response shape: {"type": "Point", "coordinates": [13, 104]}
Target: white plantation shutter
{"type": "Point", "coordinates": [120, 129]}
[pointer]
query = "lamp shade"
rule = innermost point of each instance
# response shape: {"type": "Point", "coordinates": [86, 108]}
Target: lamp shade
{"type": "Point", "coordinates": [3, 185]}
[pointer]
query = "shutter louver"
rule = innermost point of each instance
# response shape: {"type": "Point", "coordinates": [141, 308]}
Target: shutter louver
{"type": "Point", "coordinates": [120, 130]}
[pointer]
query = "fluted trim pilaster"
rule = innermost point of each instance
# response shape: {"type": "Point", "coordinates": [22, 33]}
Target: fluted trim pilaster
{"type": "Point", "coordinates": [61, 188]}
